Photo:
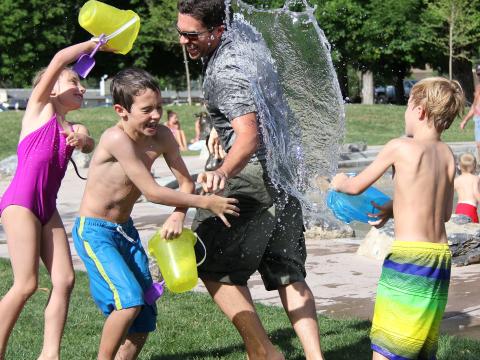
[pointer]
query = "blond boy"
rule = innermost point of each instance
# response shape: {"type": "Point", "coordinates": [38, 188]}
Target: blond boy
{"type": "Point", "coordinates": [413, 288]}
{"type": "Point", "coordinates": [467, 187]}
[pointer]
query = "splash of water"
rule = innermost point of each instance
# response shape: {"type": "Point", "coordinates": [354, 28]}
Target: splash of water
{"type": "Point", "coordinates": [296, 92]}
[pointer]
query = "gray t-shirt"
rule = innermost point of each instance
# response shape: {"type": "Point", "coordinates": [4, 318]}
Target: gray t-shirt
{"type": "Point", "coordinates": [228, 93]}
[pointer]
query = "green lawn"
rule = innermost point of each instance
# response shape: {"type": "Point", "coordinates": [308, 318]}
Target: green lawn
{"type": "Point", "coordinates": [191, 327]}
{"type": "Point", "coordinates": [373, 124]}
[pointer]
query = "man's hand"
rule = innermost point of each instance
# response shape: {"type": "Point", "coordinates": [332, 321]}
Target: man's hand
{"type": "Point", "coordinates": [386, 213]}
{"type": "Point", "coordinates": [212, 181]}
{"type": "Point", "coordinates": [173, 226]}
{"type": "Point", "coordinates": [214, 146]}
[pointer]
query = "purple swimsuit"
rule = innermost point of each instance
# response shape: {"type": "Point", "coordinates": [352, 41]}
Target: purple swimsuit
{"type": "Point", "coordinates": [43, 157]}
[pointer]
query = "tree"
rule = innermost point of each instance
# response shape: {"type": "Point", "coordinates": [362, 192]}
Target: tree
{"type": "Point", "coordinates": [451, 28]}
{"type": "Point", "coordinates": [30, 33]}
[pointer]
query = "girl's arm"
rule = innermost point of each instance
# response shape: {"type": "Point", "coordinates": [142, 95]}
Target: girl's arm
{"type": "Point", "coordinates": [183, 140]}
{"type": "Point", "coordinates": [41, 93]}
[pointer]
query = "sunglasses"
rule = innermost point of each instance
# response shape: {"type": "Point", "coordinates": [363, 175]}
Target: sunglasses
{"type": "Point", "coordinates": [192, 35]}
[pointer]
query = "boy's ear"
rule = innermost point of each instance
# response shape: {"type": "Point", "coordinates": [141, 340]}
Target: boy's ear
{"type": "Point", "coordinates": [120, 110]}
{"type": "Point", "coordinates": [421, 113]}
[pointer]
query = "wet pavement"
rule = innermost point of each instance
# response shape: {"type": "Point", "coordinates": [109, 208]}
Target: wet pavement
{"type": "Point", "coordinates": [343, 283]}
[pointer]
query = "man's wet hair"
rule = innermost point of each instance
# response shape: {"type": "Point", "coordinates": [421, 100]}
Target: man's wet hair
{"type": "Point", "coordinates": [210, 12]}
{"type": "Point", "coordinates": [129, 83]}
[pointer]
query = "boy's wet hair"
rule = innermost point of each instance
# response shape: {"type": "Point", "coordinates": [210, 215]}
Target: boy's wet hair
{"type": "Point", "coordinates": [210, 12]}
{"type": "Point", "coordinates": [129, 83]}
{"type": "Point", "coordinates": [467, 163]}
{"type": "Point", "coordinates": [38, 76]}
{"type": "Point", "coordinates": [442, 100]}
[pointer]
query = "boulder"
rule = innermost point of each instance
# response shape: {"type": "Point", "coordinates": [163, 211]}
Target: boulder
{"type": "Point", "coordinates": [8, 166]}
{"type": "Point", "coordinates": [81, 159]}
{"type": "Point", "coordinates": [326, 227]}
{"type": "Point", "coordinates": [463, 239]}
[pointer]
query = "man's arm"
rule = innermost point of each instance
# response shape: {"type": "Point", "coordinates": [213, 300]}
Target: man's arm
{"type": "Point", "coordinates": [245, 145]}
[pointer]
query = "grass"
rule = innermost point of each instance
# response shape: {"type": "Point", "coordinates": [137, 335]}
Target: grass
{"type": "Point", "coordinates": [190, 326]}
{"type": "Point", "coordinates": [372, 124]}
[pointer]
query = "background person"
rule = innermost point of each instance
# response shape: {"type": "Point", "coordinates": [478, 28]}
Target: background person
{"type": "Point", "coordinates": [475, 113]}
{"type": "Point", "coordinates": [173, 123]}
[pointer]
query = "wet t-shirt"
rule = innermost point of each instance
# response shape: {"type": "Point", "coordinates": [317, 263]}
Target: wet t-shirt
{"type": "Point", "coordinates": [227, 90]}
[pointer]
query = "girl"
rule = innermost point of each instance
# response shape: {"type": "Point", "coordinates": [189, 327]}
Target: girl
{"type": "Point", "coordinates": [174, 125]}
{"type": "Point", "coordinates": [28, 207]}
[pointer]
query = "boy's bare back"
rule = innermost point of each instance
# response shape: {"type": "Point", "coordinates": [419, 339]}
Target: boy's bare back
{"type": "Point", "coordinates": [423, 202]}
{"type": "Point", "coordinates": [110, 193]}
{"type": "Point", "coordinates": [467, 188]}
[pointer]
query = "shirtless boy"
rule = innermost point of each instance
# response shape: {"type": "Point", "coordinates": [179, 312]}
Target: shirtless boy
{"type": "Point", "coordinates": [413, 288]}
{"type": "Point", "coordinates": [104, 234]}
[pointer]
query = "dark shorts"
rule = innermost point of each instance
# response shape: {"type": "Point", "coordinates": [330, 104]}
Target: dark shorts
{"type": "Point", "coordinates": [268, 235]}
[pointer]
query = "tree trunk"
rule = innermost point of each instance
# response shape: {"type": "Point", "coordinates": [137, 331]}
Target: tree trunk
{"type": "Point", "coordinates": [367, 87]}
{"type": "Point", "coordinates": [462, 72]}
{"type": "Point", "coordinates": [342, 74]}
{"type": "Point", "coordinates": [399, 89]}
{"type": "Point", "coordinates": [451, 24]}
{"type": "Point", "coordinates": [187, 71]}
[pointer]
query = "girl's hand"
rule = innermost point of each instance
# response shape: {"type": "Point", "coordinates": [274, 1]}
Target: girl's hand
{"type": "Point", "coordinates": [75, 139]}
{"type": "Point", "coordinates": [173, 226]}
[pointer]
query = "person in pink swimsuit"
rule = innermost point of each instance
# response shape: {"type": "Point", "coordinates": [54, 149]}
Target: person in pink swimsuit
{"type": "Point", "coordinates": [28, 210]}
{"type": "Point", "coordinates": [475, 114]}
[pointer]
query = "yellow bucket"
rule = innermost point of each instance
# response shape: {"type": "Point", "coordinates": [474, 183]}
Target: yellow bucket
{"type": "Point", "coordinates": [120, 26]}
{"type": "Point", "coordinates": [176, 259]}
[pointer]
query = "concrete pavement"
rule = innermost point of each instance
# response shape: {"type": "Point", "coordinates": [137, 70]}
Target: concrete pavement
{"type": "Point", "coordinates": [343, 283]}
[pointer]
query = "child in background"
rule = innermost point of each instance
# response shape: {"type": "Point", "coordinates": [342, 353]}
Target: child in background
{"type": "Point", "coordinates": [413, 288]}
{"type": "Point", "coordinates": [30, 218]}
{"type": "Point", "coordinates": [467, 187]}
{"type": "Point", "coordinates": [173, 123]}
{"type": "Point", "coordinates": [104, 235]}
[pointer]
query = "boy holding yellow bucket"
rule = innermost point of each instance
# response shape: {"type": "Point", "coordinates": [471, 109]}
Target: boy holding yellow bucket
{"type": "Point", "coordinates": [104, 234]}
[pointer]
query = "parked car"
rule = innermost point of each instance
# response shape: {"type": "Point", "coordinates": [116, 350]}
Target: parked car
{"type": "Point", "coordinates": [15, 104]}
{"type": "Point", "coordinates": [387, 94]}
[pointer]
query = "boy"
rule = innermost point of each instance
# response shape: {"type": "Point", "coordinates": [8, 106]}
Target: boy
{"type": "Point", "coordinates": [413, 288]}
{"type": "Point", "coordinates": [104, 235]}
{"type": "Point", "coordinates": [467, 187]}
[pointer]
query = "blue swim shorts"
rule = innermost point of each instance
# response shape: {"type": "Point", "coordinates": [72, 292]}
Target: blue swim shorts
{"type": "Point", "coordinates": [117, 268]}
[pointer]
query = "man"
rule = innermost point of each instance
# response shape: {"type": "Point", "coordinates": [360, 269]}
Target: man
{"type": "Point", "coordinates": [260, 238]}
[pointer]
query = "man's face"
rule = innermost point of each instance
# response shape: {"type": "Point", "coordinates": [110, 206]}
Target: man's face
{"type": "Point", "coordinates": [201, 41]}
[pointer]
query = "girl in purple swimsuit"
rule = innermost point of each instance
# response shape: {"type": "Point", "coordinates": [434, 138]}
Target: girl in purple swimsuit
{"type": "Point", "coordinates": [29, 215]}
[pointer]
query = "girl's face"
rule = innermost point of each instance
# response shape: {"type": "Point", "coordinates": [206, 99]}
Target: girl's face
{"type": "Point", "coordinates": [68, 90]}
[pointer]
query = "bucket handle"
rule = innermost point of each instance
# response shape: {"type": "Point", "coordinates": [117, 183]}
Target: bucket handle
{"type": "Point", "coordinates": [204, 249]}
{"type": "Point", "coordinates": [122, 28]}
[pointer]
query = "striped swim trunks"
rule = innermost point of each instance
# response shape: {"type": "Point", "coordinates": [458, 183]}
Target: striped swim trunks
{"type": "Point", "coordinates": [411, 298]}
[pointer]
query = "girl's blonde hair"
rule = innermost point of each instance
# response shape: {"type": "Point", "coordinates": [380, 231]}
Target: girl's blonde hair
{"type": "Point", "coordinates": [442, 99]}
{"type": "Point", "coordinates": [467, 163]}
{"type": "Point", "coordinates": [38, 76]}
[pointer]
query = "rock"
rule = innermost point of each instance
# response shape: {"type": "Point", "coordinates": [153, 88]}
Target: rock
{"type": "Point", "coordinates": [8, 165]}
{"type": "Point", "coordinates": [354, 147]}
{"type": "Point", "coordinates": [377, 242]}
{"type": "Point", "coordinates": [327, 227]}
{"type": "Point", "coordinates": [463, 239]}
{"type": "Point", "coordinates": [81, 159]}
